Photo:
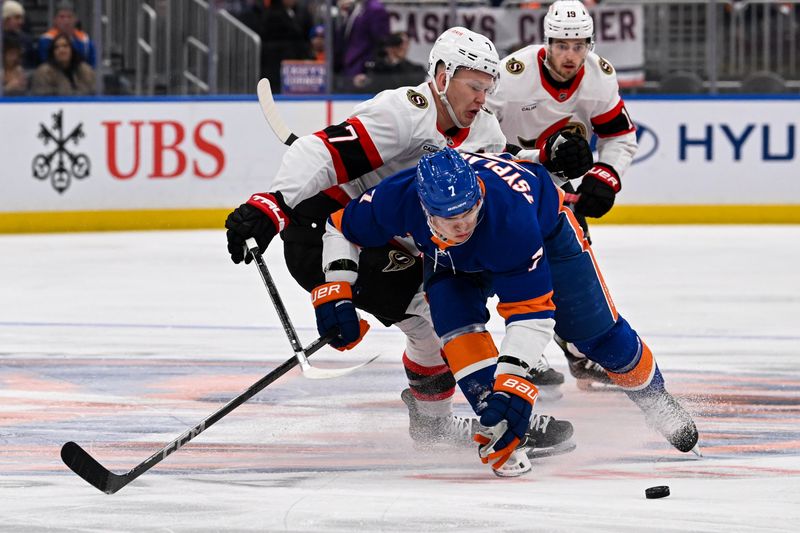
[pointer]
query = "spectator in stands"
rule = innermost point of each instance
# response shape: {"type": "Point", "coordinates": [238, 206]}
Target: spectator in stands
{"type": "Point", "coordinates": [13, 23]}
{"type": "Point", "coordinates": [65, 73]}
{"type": "Point", "coordinates": [361, 29]}
{"type": "Point", "coordinates": [15, 80]}
{"type": "Point", "coordinates": [284, 35]}
{"type": "Point", "coordinates": [392, 68]}
{"type": "Point", "coordinates": [317, 40]}
{"type": "Point", "coordinates": [251, 14]}
{"type": "Point", "coordinates": [65, 22]}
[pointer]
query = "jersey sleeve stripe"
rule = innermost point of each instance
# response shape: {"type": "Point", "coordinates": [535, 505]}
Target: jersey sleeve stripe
{"type": "Point", "coordinates": [533, 308]}
{"type": "Point", "coordinates": [351, 148]}
{"type": "Point", "coordinates": [366, 143]}
{"type": "Point", "coordinates": [338, 164]}
{"type": "Point", "coordinates": [613, 122]}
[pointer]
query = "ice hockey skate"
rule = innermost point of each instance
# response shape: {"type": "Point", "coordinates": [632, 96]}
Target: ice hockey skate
{"type": "Point", "coordinates": [546, 436]}
{"type": "Point", "coordinates": [589, 376]}
{"type": "Point", "coordinates": [664, 414]}
{"type": "Point", "coordinates": [548, 380]}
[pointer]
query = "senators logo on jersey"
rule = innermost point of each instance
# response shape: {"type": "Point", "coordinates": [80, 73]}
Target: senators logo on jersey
{"type": "Point", "coordinates": [605, 66]}
{"type": "Point", "coordinates": [514, 66]}
{"type": "Point", "coordinates": [417, 99]}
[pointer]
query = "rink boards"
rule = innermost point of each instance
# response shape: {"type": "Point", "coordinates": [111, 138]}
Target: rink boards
{"type": "Point", "coordinates": [184, 162]}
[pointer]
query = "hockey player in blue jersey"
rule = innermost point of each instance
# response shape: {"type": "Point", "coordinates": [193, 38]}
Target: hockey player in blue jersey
{"type": "Point", "coordinates": [488, 225]}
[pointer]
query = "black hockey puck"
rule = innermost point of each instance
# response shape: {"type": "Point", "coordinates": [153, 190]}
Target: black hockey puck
{"type": "Point", "coordinates": [661, 491]}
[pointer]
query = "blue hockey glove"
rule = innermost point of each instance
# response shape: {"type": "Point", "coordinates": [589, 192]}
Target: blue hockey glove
{"type": "Point", "coordinates": [507, 416]}
{"type": "Point", "coordinates": [333, 305]}
{"type": "Point", "coordinates": [597, 191]}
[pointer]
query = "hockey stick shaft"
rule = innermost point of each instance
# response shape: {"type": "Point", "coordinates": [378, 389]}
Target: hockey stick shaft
{"type": "Point", "coordinates": [83, 464]}
{"type": "Point", "coordinates": [277, 301]}
{"type": "Point", "coordinates": [309, 371]}
{"type": "Point", "coordinates": [270, 110]}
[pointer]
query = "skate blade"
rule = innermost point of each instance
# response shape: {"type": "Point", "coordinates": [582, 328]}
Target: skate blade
{"type": "Point", "coordinates": [590, 385]}
{"type": "Point", "coordinates": [559, 449]}
{"type": "Point", "coordinates": [549, 393]}
{"type": "Point", "coordinates": [697, 451]}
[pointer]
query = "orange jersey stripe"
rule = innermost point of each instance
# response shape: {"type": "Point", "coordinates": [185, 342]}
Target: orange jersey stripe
{"type": "Point", "coordinates": [534, 305]}
{"type": "Point", "coordinates": [470, 349]}
{"type": "Point", "coordinates": [640, 375]}
{"type": "Point", "coordinates": [576, 227]}
{"type": "Point", "coordinates": [336, 219]}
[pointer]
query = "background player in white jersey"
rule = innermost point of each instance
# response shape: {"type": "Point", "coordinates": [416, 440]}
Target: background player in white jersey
{"type": "Point", "coordinates": [563, 85]}
{"type": "Point", "coordinates": [321, 172]}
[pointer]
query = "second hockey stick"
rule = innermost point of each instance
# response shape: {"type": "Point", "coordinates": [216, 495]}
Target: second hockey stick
{"type": "Point", "coordinates": [100, 477]}
{"type": "Point", "coordinates": [270, 111]}
{"type": "Point", "coordinates": [309, 371]}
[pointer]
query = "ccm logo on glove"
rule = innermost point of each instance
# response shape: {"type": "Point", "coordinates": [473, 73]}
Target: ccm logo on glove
{"type": "Point", "coordinates": [523, 389]}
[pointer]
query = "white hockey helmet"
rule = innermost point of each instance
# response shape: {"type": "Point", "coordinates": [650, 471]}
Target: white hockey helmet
{"type": "Point", "coordinates": [568, 19]}
{"type": "Point", "coordinates": [462, 48]}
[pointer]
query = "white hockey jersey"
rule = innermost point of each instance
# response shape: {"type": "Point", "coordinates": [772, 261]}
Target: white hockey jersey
{"type": "Point", "coordinates": [385, 134]}
{"type": "Point", "coordinates": [530, 108]}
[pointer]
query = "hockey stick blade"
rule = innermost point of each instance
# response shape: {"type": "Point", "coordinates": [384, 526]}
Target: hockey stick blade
{"type": "Point", "coordinates": [270, 111]}
{"type": "Point", "coordinates": [83, 464]}
{"type": "Point", "coordinates": [88, 468]}
{"type": "Point", "coordinates": [311, 372]}
{"type": "Point", "coordinates": [314, 372]}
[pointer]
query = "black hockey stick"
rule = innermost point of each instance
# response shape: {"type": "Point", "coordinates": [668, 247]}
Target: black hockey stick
{"type": "Point", "coordinates": [270, 111]}
{"type": "Point", "coordinates": [309, 371]}
{"type": "Point", "coordinates": [87, 467]}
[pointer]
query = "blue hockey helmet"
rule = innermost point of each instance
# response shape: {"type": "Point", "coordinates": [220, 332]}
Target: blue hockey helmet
{"type": "Point", "coordinates": [447, 185]}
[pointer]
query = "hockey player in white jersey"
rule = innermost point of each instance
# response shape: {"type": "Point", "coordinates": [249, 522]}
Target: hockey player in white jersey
{"type": "Point", "coordinates": [321, 172]}
{"type": "Point", "coordinates": [563, 85]}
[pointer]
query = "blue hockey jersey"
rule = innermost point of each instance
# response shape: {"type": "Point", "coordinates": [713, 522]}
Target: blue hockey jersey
{"type": "Point", "coordinates": [520, 208]}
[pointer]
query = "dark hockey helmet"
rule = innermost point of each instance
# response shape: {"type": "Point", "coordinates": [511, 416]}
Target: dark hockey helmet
{"type": "Point", "coordinates": [447, 185]}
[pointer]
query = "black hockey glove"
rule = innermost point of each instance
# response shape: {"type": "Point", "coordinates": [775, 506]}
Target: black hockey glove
{"type": "Point", "coordinates": [261, 217]}
{"type": "Point", "coordinates": [566, 154]}
{"type": "Point", "coordinates": [597, 191]}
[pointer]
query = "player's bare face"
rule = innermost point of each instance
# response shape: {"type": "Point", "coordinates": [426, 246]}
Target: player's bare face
{"type": "Point", "coordinates": [459, 228]}
{"type": "Point", "coordinates": [467, 93]}
{"type": "Point", "coordinates": [566, 56]}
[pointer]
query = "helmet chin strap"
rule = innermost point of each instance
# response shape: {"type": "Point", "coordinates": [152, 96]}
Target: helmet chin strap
{"type": "Point", "coordinates": [446, 103]}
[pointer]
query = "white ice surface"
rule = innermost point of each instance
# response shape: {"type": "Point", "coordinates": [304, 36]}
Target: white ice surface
{"type": "Point", "coordinates": [122, 341]}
